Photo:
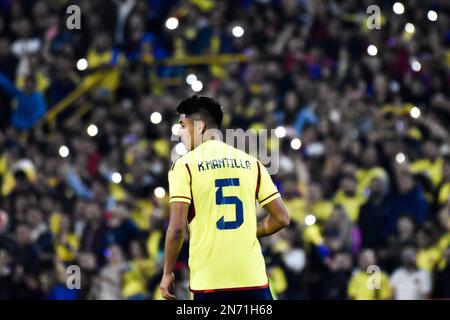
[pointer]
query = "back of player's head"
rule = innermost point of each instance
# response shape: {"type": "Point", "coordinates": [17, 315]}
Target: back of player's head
{"type": "Point", "coordinates": [208, 109]}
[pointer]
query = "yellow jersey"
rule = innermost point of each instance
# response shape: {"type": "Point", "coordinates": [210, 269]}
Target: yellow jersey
{"type": "Point", "coordinates": [221, 184]}
{"type": "Point", "coordinates": [359, 287]}
{"type": "Point", "coordinates": [351, 204]}
{"type": "Point", "coordinates": [432, 169]}
{"type": "Point", "coordinates": [444, 193]}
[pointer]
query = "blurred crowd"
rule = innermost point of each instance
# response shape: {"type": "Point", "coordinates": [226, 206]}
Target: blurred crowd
{"type": "Point", "coordinates": [368, 189]}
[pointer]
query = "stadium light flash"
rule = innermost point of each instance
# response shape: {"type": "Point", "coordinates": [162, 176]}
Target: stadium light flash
{"type": "Point", "coordinates": [335, 116]}
{"type": "Point", "coordinates": [409, 27]}
{"type": "Point", "coordinates": [296, 144]}
{"type": "Point", "coordinates": [172, 23]}
{"type": "Point", "coordinates": [160, 192]}
{"type": "Point", "coordinates": [155, 117]}
{"type": "Point", "coordinates": [372, 50]}
{"type": "Point", "coordinates": [197, 86]}
{"type": "Point", "coordinates": [400, 158]}
{"type": "Point", "coordinates": [82, 64]}
{"type": "Point", "coordinates": [63, 151]}
{"type": "Point", "coordinates": [416, 66]}
{"type": "Point", "coordinates": [180, 149]}
{"type": "Point", "coordinates": [238, 31]}
{"type": "Point", "coordinates": [191, 78]}
{"type": "Point", "coordinates": [280, 132]}
{"type": "Point", "coordinates": [432, 15]}
{"type": "Point", "coordinates": [92, 130]}
{"type": "Point", "coordinates": [310, 220]}
{"type": "Point", "coordinates": [398, 8]}
{"type": "Point", "coordinates": [415, 112]}
{"type": "Point", "coordinates": [116, 177]}
{"type": "Point", "coordinates": [394, 86]}
{"type": "Point", "coordinates": [176, 129]}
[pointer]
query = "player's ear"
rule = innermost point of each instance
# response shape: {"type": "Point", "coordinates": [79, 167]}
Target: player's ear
{"type": "Point", "coordinates": [200, 126]}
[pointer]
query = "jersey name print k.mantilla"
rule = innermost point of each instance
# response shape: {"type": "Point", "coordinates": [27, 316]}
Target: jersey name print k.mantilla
{"type": "Point", "coordinates": [221, 184]}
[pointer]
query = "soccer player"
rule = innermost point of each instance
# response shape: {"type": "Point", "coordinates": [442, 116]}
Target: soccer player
{"type": "Point", "coordinates": [213, 189]}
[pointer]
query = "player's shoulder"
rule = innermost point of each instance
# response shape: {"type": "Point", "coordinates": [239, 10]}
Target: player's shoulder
{"type": "Point", "coordinates": [248, 157]}
{"type": "Point", "coordinates": [240, 153]}
{"type": "Point", "coordinates": [183, 160]}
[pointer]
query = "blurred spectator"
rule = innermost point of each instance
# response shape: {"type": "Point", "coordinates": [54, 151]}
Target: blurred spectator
{"type": "Point", "coordinates": [66, 241]}
{"type": "Point", "coordinates": [409, 282]}
{"type": "Point", "coordinates": [25, 253]}
{"type": "Point", "coordinates": [40, 233]}
{"type": "Point", "coordinates": [347, 196]}
{"type": "Point", "coordinates": [60, 290]}
{"type": "Point", "coordinates": [102, 60]}
{"type": "Point", "coordinates": [121, 229]}
{"type": "Point", "coordinates": [406, 237]}
{"type": "Point", "coordinates": [93, 238]}
{"type": "Point", "coordinates": [26, 266]}
{"type": "Point", "coordinates": [431, 164]}
{"type": "Point", "coordinates": [340, 273]}
{"type": "Point", "coordinates": [31, 105]}
{"type": "Point", "coordinates": [409, 200]}
{"type": "Point", "coordinates": [370, 170]}
{"type": "Point", "coordinates": [108, 284]}
{"type": "Point", "coordinates": [140, 270]}
{"type": "Point", "coordinates": [429, 253]}
{"type": "Point", "coordinates": [372, 216]}
{"type": "Point", "coordinates": [88, 267]}
{"type": "Point", "coordinates": [286, 263]}
{"type": "Point", "coordinates": [365, 285]}
{"type": "Point", "coordinates": [338, 230]}
{"type": "Point", "coordinates": [442, 279]}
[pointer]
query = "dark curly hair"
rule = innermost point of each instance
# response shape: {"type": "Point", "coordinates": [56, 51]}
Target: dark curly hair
{"type": "Point", "coordinates": [207, 108]}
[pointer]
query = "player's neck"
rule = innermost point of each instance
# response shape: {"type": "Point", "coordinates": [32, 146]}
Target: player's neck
{"type": "Point", "coordinates": [203, 141]}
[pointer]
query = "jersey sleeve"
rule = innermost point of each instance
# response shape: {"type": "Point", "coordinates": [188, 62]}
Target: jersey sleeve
{"type": "Point", "coordinates": [180, 183]}
{"type": "Point", "coordinates": [266, 189]}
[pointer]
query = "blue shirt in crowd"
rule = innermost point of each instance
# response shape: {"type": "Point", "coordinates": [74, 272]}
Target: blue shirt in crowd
{"type": "Point", "coordinates": [30, 107]}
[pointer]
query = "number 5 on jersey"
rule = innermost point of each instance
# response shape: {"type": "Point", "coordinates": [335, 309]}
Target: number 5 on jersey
{"type": "Point", "coordinates": [221, 200]}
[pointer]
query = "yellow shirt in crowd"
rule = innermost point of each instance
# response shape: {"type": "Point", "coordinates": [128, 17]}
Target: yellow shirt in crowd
{"type": "Point", "coordinates": [362, 286]}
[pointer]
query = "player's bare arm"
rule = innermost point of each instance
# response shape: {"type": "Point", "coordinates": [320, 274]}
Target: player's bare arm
{"type": "Point", "coordinates": [277, 219]}
{"type": "Point", "coordinates": [174, 242]}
